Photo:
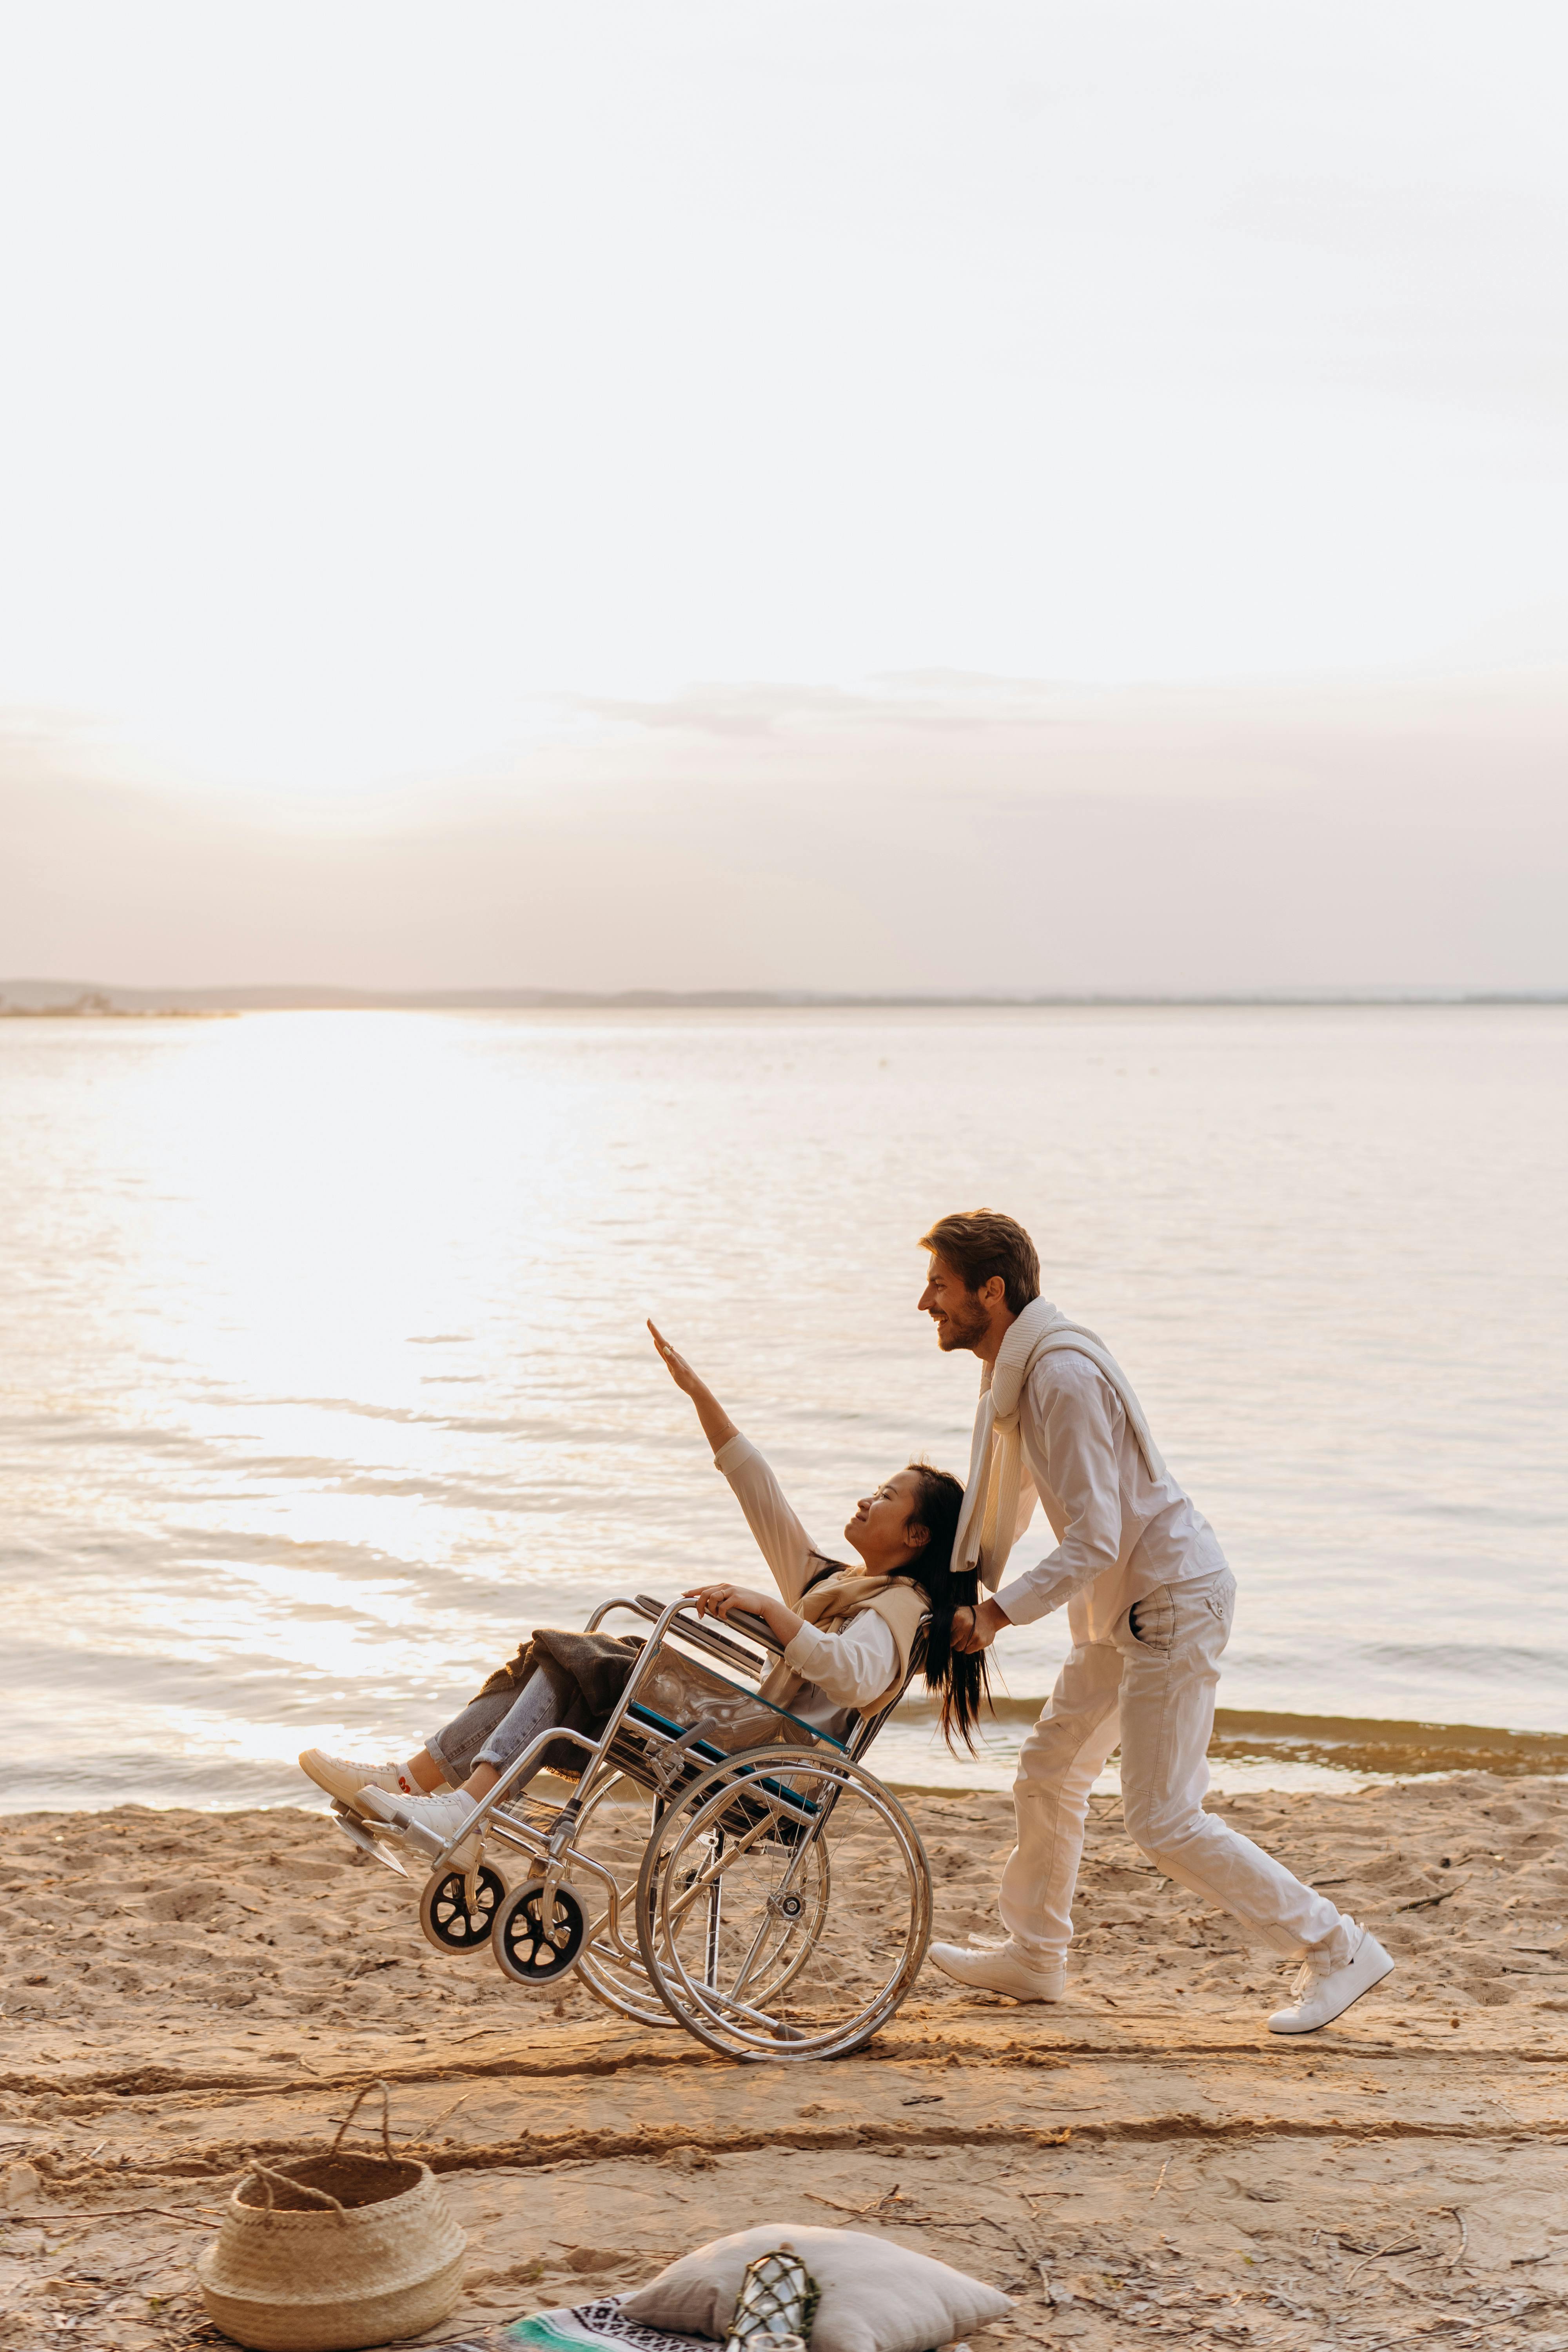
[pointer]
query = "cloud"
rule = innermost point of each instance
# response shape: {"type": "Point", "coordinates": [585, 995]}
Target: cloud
{"type": "Point", "coordinates": [942, 833]}
{"type": "Point", "coordinates": [944, 701]}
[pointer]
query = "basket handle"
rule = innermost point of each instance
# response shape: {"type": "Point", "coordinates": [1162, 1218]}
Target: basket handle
{"type": "Point", "coordinates": [265, 2174]}
{"type": "Point", "coordinates": [385, 2119]}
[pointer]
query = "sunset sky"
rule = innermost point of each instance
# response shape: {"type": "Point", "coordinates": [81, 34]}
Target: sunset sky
{"type": "Point", "coordinates": [821, 495]}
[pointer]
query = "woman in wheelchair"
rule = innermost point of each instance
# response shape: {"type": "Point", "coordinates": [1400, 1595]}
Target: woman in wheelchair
{"type": "Point", "coordinates": [848, 1635]}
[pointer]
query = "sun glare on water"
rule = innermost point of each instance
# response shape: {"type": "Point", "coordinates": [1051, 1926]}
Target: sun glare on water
{"type": "Point", "coordinates": [329, 1380]}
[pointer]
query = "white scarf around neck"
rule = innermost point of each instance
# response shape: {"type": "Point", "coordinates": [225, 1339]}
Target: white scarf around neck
{"type": "Point", "coordinates": [988, 1519]}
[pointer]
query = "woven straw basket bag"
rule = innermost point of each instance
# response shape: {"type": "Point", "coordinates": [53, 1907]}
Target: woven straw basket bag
{"type": "Point", "coordinates": [328, 2252]}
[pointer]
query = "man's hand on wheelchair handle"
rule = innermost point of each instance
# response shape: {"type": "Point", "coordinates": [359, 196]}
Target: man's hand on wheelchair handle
{"type": "Point", "coordinates": [976, 1629]}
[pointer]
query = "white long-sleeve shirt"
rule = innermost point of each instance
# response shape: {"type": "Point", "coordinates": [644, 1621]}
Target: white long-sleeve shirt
{"type": "Point", "coordinates": [850, 1668]}
{"type": "Point", "coordinates": [1120, 1534]}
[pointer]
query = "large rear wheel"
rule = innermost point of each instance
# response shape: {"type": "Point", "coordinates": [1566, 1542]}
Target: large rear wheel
{"type": "Point", "coordinates": [783, 1906]}
{"type": "Point", "coordinates": [614, 1830]}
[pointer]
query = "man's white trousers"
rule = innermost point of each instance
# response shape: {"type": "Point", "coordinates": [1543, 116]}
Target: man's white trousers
{"type": "Point", "coordinates": [1150, 1685]}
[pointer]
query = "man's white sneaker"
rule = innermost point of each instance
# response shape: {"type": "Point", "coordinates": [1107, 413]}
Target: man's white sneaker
{"type": "Point", "coordinates": [442, 1816]}
{"type": "Point", "coordinates": [1322, 1993]}
{"type": "Point", "coordinates": [342, 1777]}
{"type": "Point", "coordinates": [999, 1968]}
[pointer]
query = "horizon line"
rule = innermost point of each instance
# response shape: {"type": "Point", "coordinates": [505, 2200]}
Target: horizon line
{"type": "Point", "coordinates": [86, 998]}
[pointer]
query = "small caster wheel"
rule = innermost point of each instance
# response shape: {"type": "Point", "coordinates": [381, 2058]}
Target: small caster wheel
{"type": "Point", "coordinates": [457, 1908]}
{"type": "Point", "coordinates": [526, 1951]}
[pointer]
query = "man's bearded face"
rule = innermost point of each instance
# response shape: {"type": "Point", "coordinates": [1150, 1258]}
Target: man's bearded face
{"type": "Point", "coordinates": [960, 1319]}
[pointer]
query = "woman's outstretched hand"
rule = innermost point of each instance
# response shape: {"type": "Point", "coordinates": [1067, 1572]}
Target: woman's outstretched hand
{"type": "Point", "coordinates": [674, 1362]}
{"type": "Point", "coordinates": [717, 1426]}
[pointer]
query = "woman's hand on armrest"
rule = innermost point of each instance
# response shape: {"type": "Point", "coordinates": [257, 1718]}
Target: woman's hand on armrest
{"type": "Point", "coordinates": [719, 1600]}
{"type": "Point", "coordinates": [717, 1426]}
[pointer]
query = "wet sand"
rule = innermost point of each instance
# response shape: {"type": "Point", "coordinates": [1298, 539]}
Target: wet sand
{"type": "Point", "coordinates": [1140, 2162]}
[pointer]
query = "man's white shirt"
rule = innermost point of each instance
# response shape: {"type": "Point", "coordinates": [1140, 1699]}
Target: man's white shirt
{"type": "Point", "coordinates": [1120, 1534]}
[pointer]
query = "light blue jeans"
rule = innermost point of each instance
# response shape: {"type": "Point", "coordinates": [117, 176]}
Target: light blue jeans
{"type": "Point", "coordinates": [494, 1729]}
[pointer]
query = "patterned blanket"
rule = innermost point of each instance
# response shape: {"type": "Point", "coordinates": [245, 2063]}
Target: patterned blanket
{"type": "Point", "coordinates": [586, 2327]}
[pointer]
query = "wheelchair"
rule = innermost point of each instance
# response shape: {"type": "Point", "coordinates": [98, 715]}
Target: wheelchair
{"type": "Point", "coordinates": [775, 1901]}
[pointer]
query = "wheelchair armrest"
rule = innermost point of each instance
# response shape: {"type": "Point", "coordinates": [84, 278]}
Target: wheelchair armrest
{"type": "Point", "coordinates": [703, 1636]}
{"type": "Point", "coordinates": [756, 1629]}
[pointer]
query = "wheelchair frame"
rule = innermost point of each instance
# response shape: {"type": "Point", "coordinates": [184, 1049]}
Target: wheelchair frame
{"type": "Point", "coordinates": [570, 1907]}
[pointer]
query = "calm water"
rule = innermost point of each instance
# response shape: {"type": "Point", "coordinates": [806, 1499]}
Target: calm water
{"type": "Point", "coordinates": [324, 1377]}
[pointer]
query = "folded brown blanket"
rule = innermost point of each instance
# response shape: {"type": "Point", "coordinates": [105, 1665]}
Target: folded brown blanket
{"type": "Point", "coordinates": [597, 1662]}
{"type": "Point", "coordinates": [588, 1672]}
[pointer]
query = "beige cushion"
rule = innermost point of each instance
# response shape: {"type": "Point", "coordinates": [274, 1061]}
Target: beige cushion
{"type": "Point", "coordinates": [876, 2297]}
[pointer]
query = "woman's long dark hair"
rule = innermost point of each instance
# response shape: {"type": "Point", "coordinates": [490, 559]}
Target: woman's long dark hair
{"type": "Point", "coordinates": [962, 1677]}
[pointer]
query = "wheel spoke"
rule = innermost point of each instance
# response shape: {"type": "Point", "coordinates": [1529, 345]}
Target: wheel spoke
{"type": "Point", "coordinates": [453, 1920]}
{"type": "Point", "coordinates": [613, 1830]}
{"type": "Point", "coordinates": [533, 1951]}
{"type": "Point", "coordinates": [809, 1886]}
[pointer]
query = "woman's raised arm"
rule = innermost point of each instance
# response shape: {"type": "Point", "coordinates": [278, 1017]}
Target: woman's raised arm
{"type": "Point", "coordinates": [778, 1534]}
{"type": "Point", "coordinates": [717, 1426]}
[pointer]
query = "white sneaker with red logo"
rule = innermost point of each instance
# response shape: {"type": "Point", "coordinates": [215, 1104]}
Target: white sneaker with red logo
{"type": "Point", "coordinates": [342, 1777]}
{"type": "Point", "coordinates": [440, 1817]}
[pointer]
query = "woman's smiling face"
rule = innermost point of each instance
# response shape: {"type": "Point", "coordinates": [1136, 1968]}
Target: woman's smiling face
{"type": "Point", "coordinates": [880, 1531]}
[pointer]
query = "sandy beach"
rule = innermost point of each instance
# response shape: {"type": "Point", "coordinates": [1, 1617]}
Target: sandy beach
{"type": "Point", "coordinates": [1140, 2162]}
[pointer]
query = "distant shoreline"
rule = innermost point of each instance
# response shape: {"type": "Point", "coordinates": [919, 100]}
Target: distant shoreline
{"type": "Point", "coordinates": [1361, 1745]}
{"type": "Point", "coordinates": [94, 1006]}
{"type": "Point", "coordinates": [1365, 1748]}
{"type": "Point", "coordinates": [81, 1000]}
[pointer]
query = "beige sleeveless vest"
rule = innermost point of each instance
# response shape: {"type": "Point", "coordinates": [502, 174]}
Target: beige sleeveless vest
{"type": "Point", "coordinates": [902, 1605]}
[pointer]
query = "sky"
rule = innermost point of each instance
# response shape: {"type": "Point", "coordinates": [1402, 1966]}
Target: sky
{"type": "Point", "coordinates": [828, 496]}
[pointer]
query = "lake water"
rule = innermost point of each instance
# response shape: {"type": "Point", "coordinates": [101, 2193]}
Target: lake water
{"type": "Point", "coordinates": [324, 1376]}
